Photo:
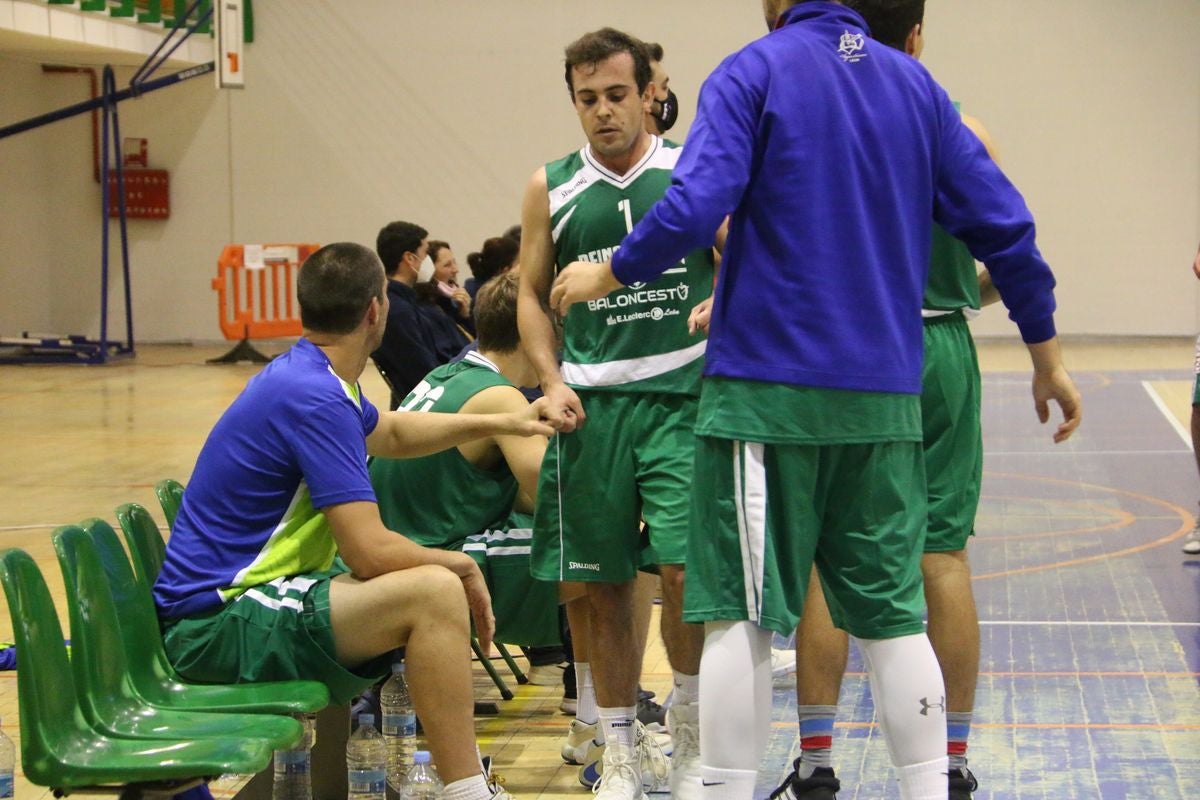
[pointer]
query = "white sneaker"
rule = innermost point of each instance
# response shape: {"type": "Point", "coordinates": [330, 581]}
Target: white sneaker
{"type": "Point", "coordinates": [621, 778]}
{"type": "Point", "coordinates": [684, 723]}
{"type": "Point", "coordinates": [783, 662]}
{"type": "Point", "coordinates": [580, 739]}
{"type": "Point", "coordinates": [1191, 545]}
{"type": "Point", "coordinates": [546, 674]}
{"type": "Point", "coordinates": [655, 766]}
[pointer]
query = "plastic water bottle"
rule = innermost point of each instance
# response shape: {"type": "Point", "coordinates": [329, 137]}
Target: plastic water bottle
{"type": "Point", "coordinates": [422, 781]}
{"type": "Point", "coordinates": [8, 762]}
{"type": "Point", "coordinates": [399, 725]}
{"type": "Point", "coordinates": [366, 761]}
{"type": "Point", "coordinates": [293, 779]}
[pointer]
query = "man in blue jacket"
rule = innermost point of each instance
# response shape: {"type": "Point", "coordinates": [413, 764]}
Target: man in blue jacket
{"type": "Point", "coordinates": [829, 150]}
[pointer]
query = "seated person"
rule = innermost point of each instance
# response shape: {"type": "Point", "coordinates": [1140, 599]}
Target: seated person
{"type": "Point", "coordinates": [442, 500]}
{"type": "Point", "coordinates": [441, 287]}
{"type": "Point", "coordinates": [252, 588]}
{"type": "Point", "coordinates": [418, 336]}
{"type": "Point", "coordinates": [497, 256]}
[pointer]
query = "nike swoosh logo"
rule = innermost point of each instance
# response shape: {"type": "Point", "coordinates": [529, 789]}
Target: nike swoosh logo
{"type": "Point", "coordinates": [706, 783]}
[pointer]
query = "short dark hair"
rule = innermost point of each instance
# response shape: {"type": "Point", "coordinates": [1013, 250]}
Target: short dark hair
{"type": "Point", "coordinates": [435, 247]}
{"type": "Point", "coordinates": [654, 51]}
{"type": "Point", "coordinates": [496, 314]}
{"type": "Point", "coordinates": [396, 239]}
{"type": "Point", "coordinates": [336, 285]}
{"type": "Point", "coordinates": [597, 46]}
{"type": "Point", "coordinates": [496, 255]}
{"type": "Point", "coordinates": [890, 21]}
{"type": "Point", "coordinates": [514, 233]}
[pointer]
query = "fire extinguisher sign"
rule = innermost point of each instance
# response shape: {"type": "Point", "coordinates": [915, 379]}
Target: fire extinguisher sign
{"type": "Point", "coordinates": [227, 42]}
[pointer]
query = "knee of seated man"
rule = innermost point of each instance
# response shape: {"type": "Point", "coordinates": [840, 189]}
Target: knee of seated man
{"type": "Point", "coordinates": [427, 585]}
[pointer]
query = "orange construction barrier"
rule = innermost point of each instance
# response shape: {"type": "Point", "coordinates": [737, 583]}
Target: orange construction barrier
{"type": "Point", "coordinates": [256, 295]}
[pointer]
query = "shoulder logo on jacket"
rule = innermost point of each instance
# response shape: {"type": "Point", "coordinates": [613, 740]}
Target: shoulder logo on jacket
{"type": "Point", "coordinates": [850, 48]}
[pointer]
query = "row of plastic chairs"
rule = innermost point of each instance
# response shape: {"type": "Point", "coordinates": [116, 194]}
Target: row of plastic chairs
{"type": "Point", "coordinates": [116, 713]}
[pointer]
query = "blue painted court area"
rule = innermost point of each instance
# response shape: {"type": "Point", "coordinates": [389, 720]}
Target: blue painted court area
{"type": "Point", "coordinates": [1090, 684]}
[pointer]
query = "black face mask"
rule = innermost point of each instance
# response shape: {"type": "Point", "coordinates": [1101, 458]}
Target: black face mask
{"type": "Point", "coordinates": [665, 112]}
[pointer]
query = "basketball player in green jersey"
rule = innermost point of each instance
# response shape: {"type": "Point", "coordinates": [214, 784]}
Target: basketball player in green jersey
{"type": "Point", "coordinates": [445, 499]}
{"type": "Point", "coordinates": [953, 451]}
{"type": "Point", "coordinates": [626, 392]}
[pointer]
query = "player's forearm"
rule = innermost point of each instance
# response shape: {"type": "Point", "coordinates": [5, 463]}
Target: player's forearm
{"type": "Point", "coordinates": [391, 551]}
{"type": "Point", "coordinates": [420, 433]}
{"type": "Point", "coordinates": [538, 338]}
{"type": "Point", "coordinates": [1046, 355]}
{"type": "Point", "coordinates": [988, 294]}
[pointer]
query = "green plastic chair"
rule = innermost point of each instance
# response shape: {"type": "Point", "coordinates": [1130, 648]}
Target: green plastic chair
{"type": "Point", "coordinates": [58, 748]}
{"type": "Point", "coordinates": [152, 674]}
{"type": "Point", "coordinates": [170, 497]}
{"type": "Point", "coordinates": [107, 696]}
{"type": "Point", "coordinates": [146, 546]}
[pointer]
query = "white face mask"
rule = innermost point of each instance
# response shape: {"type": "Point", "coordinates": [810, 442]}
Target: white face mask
{"type": "Point", "coordinates": [425, 270]}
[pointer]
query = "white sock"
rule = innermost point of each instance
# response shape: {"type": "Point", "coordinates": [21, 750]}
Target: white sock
{"type": "Point", "coordinates": [910, 699]}
{"type": "Point", "coordinates": [735, 698]}
{"type": "Point", "coordinates": [618, 726]}
{"type": "Point", "coordinates": [472, 788]}
{"type": "Point", "coordinates": [687, 689]}
{"type": "Point", "coordinates": [923, 781]}
{"type": "Point", "coordinates": [585, 710]}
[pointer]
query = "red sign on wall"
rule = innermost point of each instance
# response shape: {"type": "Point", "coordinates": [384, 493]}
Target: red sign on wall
{"type": "Point", "coordinates": [147, 194]}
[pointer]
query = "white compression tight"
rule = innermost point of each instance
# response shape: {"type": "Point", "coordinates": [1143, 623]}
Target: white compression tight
{"type": "Point", "coordinates": [735, 707]}
{"type": "Point", "coordinates": [910, 704]}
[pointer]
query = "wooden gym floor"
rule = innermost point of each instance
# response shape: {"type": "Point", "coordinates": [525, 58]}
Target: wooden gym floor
{"type": "Point", "coordinates": [78, 441]}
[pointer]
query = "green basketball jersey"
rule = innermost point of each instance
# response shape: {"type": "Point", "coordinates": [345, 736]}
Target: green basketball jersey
{"type": "Point", "coordinates": [636, 338]}
{"type": "Point", "coordinates": [439, 500]}
{"type": "Point", "coordinates": [953, 283]}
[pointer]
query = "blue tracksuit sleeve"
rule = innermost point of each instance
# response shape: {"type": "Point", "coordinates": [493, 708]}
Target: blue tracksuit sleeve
{"type": "Point", "coordinates": [707, 182]}
{"type": "Point", "coordinates": [977, 203]}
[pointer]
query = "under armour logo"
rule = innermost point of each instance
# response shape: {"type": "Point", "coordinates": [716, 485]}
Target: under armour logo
{"type": "Point", "coordinates": [926, 705]}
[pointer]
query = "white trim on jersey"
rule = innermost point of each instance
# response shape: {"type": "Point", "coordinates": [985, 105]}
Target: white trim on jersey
{"type": "Point", "coordinates": [562, 223]}
{"type": "Point", "coordinates": [934, 313]}
{"type": "Point", "coordinates": [566, 191]}
{"type": "Point", "coordinates": [621, 181]}
{"type": "Point", "coordinates": [240, 578]}
{"type": "Point", "coordinates": [613, 373]}
{"type": "Point", "coordinates": [475, 357]}
{"type": "Point", "coordinates": [750, 503]}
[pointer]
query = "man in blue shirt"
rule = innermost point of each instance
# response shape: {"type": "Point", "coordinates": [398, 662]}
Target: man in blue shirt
{"type": "Point", "coordinates": [251, 588]}
{"type": "Point", "coordinates": [829, 150]}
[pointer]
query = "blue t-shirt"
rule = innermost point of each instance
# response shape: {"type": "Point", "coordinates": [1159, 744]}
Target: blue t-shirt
{"type": "Point", "coordinates": [292, 443]}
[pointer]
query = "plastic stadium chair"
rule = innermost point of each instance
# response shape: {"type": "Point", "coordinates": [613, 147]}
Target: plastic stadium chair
{"type": "Point", "coordinates": [107, 696]}
{"type": "Point", "coordinates": [58, 749]}
{"type": "Point", "coordinates": [146, 546]}
{"type": "Point", "coordinates": [151, 672]}
{"type": "Point", "coordinates": [170, 497]}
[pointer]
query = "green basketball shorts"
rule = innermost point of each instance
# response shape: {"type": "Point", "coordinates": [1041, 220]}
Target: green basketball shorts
{"type": "Point", "coordinates": [526, 609]}
{"type": "Point", "coordinates": [631, 461]}
{"type": "Point", "coordinates": [763, 514]}
{"type": "Point", "coordinates": [279, 631]}
{"type": "Point", "coordinates": [950, 403]}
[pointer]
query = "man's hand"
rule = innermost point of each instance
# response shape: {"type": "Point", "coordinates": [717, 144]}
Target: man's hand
{"type": "Point", "coordinates": [580, 281]}
{"type": "Point", "coordinates": [1057, 385]}
{"type": "Point", "coordinates": [563, 407]}
{"type": "Point", "coordinates": [1196, 265]}
{"type": "Point", "coordinates": [536, 419]}
{"type": "Point", "coordinates": [479, 600]}
{"type": "Point", "coordinates": [700, 316]}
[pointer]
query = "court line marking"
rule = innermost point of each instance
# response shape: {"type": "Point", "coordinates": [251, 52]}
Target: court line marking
{"type": "Point", "coordinates": [1069, 452]}
{"type": "Point", "coordinates": [1166, 412]}
{"type": "Point", "coordinates": [1088, 623]}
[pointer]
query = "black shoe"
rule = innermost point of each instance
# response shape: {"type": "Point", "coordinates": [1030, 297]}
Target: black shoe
{"type": "Point", "coordinates": [821, 785]}
{"type": "Point", "coordinates": [649, 712]}
{"type": "Point", "coordinates": [962, 783]}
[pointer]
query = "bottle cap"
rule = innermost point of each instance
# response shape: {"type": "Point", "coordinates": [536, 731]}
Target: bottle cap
{"type": "Point", "coordinates": [397, 667]}
{"type": "Point", "coordinates": [366, 719]}
{"type": "Point", "coordinates": [421, 757]}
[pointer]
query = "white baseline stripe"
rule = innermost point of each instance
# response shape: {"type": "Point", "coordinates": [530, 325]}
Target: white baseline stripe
{"type": "Point", "coordinates": [1166, 412]}
{"type": "Point", "coordinates": [1068, 623]}
{"type": "Point", "coordinates": [1070, 452]}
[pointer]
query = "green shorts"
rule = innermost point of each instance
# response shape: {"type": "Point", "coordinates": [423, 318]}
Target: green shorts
{"type": "Point", "coordinates": [526, 609]}
{"type": "Point", "coordinates": [1196, 370]}
{"type": "Point", "coordinates": [279, 631]}
{"type": "Point", "coordinates": [950, 400]}
{"type": "Point", "coordinates": [631, 461]}
{"type": "Point", "coordinates": [764, 513]}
